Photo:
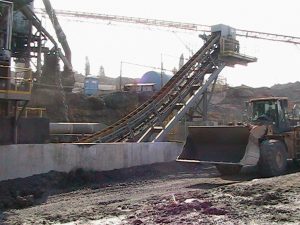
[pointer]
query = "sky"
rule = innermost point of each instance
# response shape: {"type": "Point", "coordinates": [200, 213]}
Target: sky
{"type": "Point", "coordinates": [109, 44]}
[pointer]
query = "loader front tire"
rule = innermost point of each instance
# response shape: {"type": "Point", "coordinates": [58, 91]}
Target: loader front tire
{"type": "Point", "coordinates": [225, 169]}
{"type": "Point", "coordinates": [273, 158]}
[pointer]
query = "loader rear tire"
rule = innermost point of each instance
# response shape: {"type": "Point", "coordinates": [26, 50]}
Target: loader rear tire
{"type": "Point", "coordinates": [273, 158]}
{"type": "Point", "coordinates": [228, 169]}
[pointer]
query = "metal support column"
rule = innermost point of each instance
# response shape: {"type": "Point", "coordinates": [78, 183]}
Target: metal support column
{"type": "Point", "coordinates": [205, 106]}
{"type": "Point", "coordinates": [15, 127]}
{"type": "Point", "coordinates": [121, 65]}
{"type": "Point", "coordinates": [39, 56]}
{"type": "Point", "coordinates": [189, 103]}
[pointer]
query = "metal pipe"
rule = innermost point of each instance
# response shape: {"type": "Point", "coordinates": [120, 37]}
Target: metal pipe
{"type": "Point", "coordinates": [9, 25]}
{"type": "Point", "coordinates": [75, 128]}
{"type": "Point", "coordinates": [58, 30]}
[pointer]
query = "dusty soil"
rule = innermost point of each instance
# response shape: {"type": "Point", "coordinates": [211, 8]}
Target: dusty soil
{"type": "Point", "coordinates": [169, 193]}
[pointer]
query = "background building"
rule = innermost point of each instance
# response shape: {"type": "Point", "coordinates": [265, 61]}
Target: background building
{"type": "Point", "coordinates": [156, 78]}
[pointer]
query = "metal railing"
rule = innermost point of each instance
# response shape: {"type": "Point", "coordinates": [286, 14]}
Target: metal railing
{"type": "Point", "coordinates": [16, 80]}
{"type": "Point", "coordinates": [32, 112]}
{"type": "Point", "coordinates": [229, 46]}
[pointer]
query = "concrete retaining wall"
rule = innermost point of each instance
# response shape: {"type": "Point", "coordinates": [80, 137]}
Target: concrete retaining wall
{"type": "Point", "coordinates": [18, 161]}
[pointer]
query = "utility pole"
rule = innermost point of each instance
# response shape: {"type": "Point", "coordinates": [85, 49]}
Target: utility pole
{"type": "Point", "coordinates": [121, 65]}
{"type": "Point", "coordinates": [161, 72]}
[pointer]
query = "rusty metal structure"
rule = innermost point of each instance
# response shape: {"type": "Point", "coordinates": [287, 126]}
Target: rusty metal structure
{"type": "Point", "coordinates": [30, 15]}
{"type": "Point", "coordinates": [19, 43]}
{"type": "Point", "coordinates": [155, 118]}
{"type": "Point", "coordinates": [15, 83]}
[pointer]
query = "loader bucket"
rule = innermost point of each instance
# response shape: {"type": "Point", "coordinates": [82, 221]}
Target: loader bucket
{"type": "Point", "coordinates": [218, 145]}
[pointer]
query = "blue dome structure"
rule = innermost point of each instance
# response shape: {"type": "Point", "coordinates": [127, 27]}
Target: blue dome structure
{"type": "Point", "coordinates": [155, 77]}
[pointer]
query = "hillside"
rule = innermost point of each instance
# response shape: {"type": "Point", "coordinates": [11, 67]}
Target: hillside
{"type": "Point", "coordinates": [226, 105]}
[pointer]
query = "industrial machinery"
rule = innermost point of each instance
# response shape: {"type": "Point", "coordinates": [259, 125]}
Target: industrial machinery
{"type": "Point", "coordinates": [17, 47]}
{"type": "Point", "coordinates": [132, 126]}
{"type": "Point", "coordinates": [22, 39]}
{"type": "Point", "coordinates": [267, 141]}
{"type": "Point", "coordinates": [153, 120]}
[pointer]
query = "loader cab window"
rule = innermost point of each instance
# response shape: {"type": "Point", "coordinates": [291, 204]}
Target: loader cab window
{"type": "Point", "coordinates": [283, 122]}
{"type": "Point", "coordinates": [265, 111]}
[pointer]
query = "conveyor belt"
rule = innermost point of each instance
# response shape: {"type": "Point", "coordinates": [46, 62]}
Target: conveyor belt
{"type": "Point", "coordinates": [155, 118]}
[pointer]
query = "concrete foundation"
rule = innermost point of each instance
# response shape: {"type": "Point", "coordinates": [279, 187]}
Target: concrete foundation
{"type": "Point", "coordinates": [17, 161]}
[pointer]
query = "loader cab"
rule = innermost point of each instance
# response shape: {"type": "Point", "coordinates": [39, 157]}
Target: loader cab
{"type": "Point", "coordinates": [270, 111]}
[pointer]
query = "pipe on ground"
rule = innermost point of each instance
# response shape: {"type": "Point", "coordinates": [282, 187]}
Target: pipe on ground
{"type": "Point", "coordinates": [75, 128]}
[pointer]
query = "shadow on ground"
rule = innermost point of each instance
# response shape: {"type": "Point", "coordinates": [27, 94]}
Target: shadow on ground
{"type": "Point", "coordinates": [35, 190]}
{"type": "Point", "coordinates": [247, 174]}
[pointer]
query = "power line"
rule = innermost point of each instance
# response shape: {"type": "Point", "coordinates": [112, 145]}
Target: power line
{"type": "Point", "coordinates": [182, 42]}
{"type": "Point", "coordinates": [145, 66]}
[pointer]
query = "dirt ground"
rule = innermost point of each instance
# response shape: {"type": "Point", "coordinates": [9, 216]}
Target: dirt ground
{"type": "Point", "coordinates": [166, 193]}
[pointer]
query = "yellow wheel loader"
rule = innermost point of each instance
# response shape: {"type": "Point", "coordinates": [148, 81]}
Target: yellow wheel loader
{"type": "Point", "coordinates": [267, 140]}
